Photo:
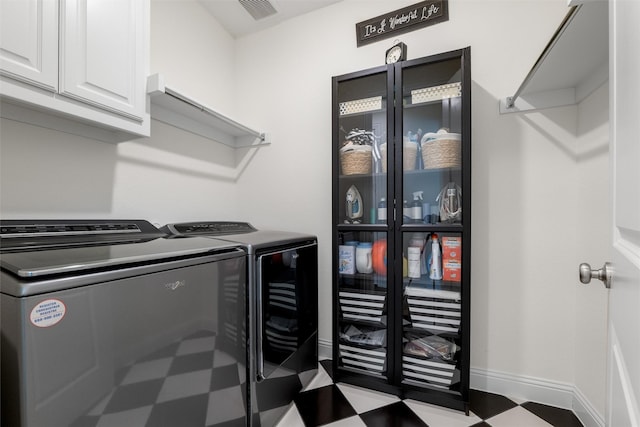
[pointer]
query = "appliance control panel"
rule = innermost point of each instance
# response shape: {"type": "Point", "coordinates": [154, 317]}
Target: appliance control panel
{"type": "Point", "coordinates": [36, 234]}
{"type": "Point", "coordinates": [36, 229]}
{"type": "Point", "coordinates": [209, 228]}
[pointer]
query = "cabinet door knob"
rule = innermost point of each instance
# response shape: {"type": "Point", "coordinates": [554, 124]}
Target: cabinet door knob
{"type": "Point", "coordinates": [604, 274]}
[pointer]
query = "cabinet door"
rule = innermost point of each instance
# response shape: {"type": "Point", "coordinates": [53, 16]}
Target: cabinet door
{"type": "Point", "coordinates": [432, 175]}
{"type": "Point", "coordinates": [29, 41]}
{"type": "Point", "coordinates": [363, 344]}
{"type": "Point", "coordinates": [363, 104]}
{"type": "Point", "coordinates": [362, 148]}
{"type": "Point", "coordinates": [103, 54]}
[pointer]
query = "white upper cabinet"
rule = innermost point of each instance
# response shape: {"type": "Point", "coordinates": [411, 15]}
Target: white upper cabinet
{"type": "Point", "coordinates": [79, 66]}
{"type": "Point", "coordinates": [100, 62]}
{"type": "Point", "coordinates": [29, 41]}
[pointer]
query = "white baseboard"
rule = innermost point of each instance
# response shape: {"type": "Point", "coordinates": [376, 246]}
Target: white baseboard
{"type": "Point", "coordinates": [530, 389]}
{"type": "Point", "coordinates": [585, 411]}
{"type": "Point", "coordinates": [521, 388]}
{"type": "Point", "coordinates": [324, 349]}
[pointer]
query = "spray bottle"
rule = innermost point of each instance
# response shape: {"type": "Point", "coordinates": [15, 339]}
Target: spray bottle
{"type": "Point", "coordinates": [382, 211]}
{"type": "Point", "coordinates": [435, 264]}
{"type": "Point", "coordinates": [415, 209]}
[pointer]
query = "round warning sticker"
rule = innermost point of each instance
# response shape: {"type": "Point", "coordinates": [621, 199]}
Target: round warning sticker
{"type": "Point", "coordinates": [48, 313]}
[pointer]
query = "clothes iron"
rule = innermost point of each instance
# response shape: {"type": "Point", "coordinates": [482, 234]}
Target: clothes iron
{"type": "Point", "coordinates": [354, 205]}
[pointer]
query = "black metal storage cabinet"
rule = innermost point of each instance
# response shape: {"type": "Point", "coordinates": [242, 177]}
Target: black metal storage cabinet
{"type": "Point", "coordinates": [401, 228]}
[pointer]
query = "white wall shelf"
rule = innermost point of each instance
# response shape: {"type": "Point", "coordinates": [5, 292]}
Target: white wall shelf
{"type": "Point", "coordinates": [179, 110]}
{"type": "Point", "coordinates": [573, 64]}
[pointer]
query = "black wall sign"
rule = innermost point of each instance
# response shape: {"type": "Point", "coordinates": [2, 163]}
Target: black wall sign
{"type": "Point", "coordinates": [403, 20]}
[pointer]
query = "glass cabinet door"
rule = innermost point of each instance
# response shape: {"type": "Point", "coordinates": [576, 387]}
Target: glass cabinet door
{"type": "Point", "coordinates": [363, 153]}
{"type": "Point", "coordinates": [362, 302]}
{"type": "Point", "coordinates": [430, 182]}
{"type": "Point", "coordinates": [432, 309]}
{"type": "Point", "coordinates": [432, 143]}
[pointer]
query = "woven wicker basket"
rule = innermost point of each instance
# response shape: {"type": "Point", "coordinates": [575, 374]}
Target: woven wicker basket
{"type": "Point", "coordinates": [356, 160]}
{"type": "Point", "coordinates": [441, 153]}
{"type": "Point", "coordinates": [383, 157]}
{"type": "Point", "coordinates": [410, 154]}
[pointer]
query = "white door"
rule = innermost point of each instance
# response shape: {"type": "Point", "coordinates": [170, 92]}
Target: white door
{"type": "Point", "coordinates": [623, 375]}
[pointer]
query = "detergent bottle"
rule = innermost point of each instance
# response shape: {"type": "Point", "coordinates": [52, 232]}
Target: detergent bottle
{"type": "Point", "coordinates": [435, 263]}
{"type": "Point", "coordinates": [419, 240]}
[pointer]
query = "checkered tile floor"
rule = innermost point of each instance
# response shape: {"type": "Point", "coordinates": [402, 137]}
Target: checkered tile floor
{"type": "Point", "coordinates": [194, 382]}
{"type": "Point", "coordinates": [189, 383]}
{"type": "Point", "coordinates": [340, 405]}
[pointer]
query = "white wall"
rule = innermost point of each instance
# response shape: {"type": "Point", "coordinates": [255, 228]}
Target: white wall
{"type": "Point", "coordinates": [525, 175]}
{"type": "Point", "coordinates": [530, 318]}
{"type": "Point", "coordinates": [593, 242]}
{"type": "Point", "coordinates": [194, 53]}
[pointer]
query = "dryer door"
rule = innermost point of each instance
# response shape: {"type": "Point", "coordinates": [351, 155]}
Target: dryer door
{"type": "Point", "coordinates": [287, 325]}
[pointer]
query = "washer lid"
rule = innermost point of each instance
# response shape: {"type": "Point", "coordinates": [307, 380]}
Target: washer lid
{"type": "Point", "coordinates": [31, 264]}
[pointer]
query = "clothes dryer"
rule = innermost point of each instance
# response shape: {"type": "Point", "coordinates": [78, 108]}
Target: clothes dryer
{"type": "Point", "coordinates": [282, 272]}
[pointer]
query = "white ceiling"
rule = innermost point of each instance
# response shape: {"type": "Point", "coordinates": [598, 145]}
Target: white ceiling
{"type": "Point", "coordinates": [238, 22]}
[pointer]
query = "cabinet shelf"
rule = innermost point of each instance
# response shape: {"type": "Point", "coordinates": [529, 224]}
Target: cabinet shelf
{"type": "Point", "coordinates": [438, 227]}
{"type": "Point", "coordinates": [432, 171]}
{"type": "Point", "coordinates": [409, 173]}
{"type": "Point", "coordinates": [363, 227]}
{"type": "Point", "coordinates": [363, 176]}
{"type": "Point", "coordinates": [427, 284]}
{"type": "Point", "coordinates": [409, 105]}
{"type": "Point", "coordinates": [409, 228]}
{"type": "Point", "coordinates": [362, 113]}
{"type": "Point", "coordinates": [426, 332]}
{"type": "Point", "coordinates": [373, 279]}
{"type": "Point", "coordinates": [362, 323]}
{"type": "Point", "coordinates": [179, 110]}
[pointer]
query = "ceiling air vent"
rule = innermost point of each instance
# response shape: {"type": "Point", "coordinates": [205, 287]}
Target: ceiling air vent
{"type": "Point", "coordinates": [258, 8]}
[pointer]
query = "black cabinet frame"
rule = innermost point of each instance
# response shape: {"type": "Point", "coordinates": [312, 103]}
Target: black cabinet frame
{"type": "Point", "coordinates": [391, 381]}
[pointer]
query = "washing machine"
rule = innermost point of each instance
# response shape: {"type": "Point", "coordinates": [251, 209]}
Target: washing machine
{"type": "Point", "coordinates": [107, 322]}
